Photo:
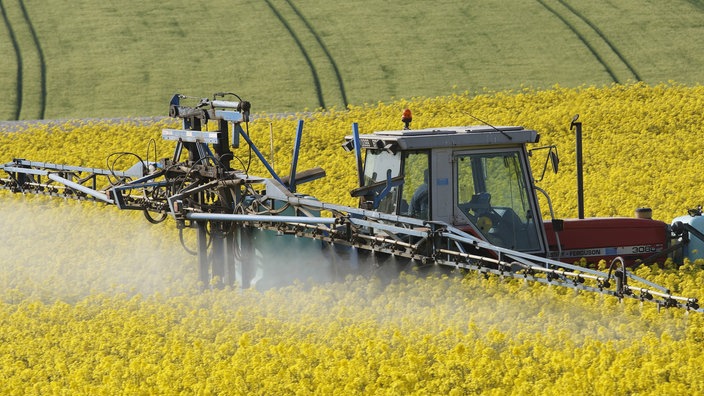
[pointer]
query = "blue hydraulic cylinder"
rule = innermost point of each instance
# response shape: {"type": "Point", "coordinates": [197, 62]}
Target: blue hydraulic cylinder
{"type": "Point", "coordinates": [358, 153]}
{"type": "Point", "coordinates": [294, 161]}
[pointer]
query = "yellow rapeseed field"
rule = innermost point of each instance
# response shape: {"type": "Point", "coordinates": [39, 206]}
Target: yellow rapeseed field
{"type": "Point", "coordinates": [95, 301]}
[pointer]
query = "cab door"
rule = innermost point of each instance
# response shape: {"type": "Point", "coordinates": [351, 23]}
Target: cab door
{"type": "Point", "coordinates": [494, 195]}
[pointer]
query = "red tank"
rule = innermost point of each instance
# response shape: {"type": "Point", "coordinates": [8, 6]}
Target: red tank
{"type": "Point", "coordinates": [594, 239]}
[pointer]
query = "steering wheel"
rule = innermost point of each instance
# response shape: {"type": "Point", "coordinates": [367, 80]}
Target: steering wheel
{"type": "Point", "coordinates": [487, 218]}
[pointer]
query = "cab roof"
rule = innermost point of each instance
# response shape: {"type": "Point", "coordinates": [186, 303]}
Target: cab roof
{"type": "Point", "coordinates": [456, 136]}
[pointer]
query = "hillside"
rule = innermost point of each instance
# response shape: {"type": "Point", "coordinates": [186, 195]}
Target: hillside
{"type": "Point", "coordinates": [97, 59]}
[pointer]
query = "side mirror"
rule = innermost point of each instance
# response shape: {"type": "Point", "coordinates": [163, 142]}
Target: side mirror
{"type": "Point", "coordinates": [554, 160]}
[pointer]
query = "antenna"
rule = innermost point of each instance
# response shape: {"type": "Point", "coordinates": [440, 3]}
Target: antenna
{"type": "Point", "coordinates": [489, 125]}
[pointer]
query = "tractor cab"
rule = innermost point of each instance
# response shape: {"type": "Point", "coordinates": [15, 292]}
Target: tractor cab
{"type": "Point", "coordinates": [476, 178]}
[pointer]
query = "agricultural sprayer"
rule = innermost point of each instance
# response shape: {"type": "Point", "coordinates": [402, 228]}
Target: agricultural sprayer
{"type": "Point", "coordinates": [448, 198]}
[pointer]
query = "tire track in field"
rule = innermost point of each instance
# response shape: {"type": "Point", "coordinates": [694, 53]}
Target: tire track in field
{"type": "Point", "coordinates": [601, 38]}
{"type": "Point", "coordinates": [604, 38]}
{"type": "Point", "coordinates": [333, 64]}
{"type": "Point", "coordinates": [16, 23]}
{"type": "Point", "coordinates": [296, 35]}
{"type": "Point", "coordinates": [18, 56]}
{"type": "Point", "coordinates": [42, 62]}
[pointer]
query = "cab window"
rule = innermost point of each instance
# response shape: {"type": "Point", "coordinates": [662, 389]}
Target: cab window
{"type": "Point", "coordinates": [492, 193]}
{"type": "Point", "coordinates": [415, 196]}
{"type": "Point", "coordinates": [409, 193]}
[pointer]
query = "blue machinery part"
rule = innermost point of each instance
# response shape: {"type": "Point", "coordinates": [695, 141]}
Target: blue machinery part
{"type": "Point", "coordinates": [358, 153]}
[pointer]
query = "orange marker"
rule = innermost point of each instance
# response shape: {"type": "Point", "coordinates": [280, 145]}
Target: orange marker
{"type": "Point", "coordinates": [407, 118]}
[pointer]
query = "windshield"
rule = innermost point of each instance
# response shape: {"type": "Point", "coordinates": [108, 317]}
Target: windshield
{"type": "Point", "coordinates": [378, 166]}
{"type": "Point", "coordinates": [410, 193]}
{"type": "Point", "coordinates": [492, 193]}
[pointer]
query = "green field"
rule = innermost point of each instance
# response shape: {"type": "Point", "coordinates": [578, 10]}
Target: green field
{"type": "Point", "coordinates": [86, 58]}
